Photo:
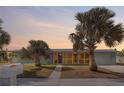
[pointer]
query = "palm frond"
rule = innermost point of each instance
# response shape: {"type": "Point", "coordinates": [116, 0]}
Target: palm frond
{"type": "Point", "coordinates": [114, 35]}
{"type": "Point", "coordinates": [96, 25]}
{"type": "Point", "coordinates": [36, 48]}
{"type": "Point", "coordinates": [4, 37]}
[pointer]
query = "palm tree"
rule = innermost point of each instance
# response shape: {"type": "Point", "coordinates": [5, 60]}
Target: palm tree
{"type": "Point", "coordinates": [95, 26]}
{"type": "Point", "coordinates": [35, 51]}
{"type": "Point", "coordinates": [4, 40]}
{"type": "Point", "coordinates": [75, 39]}
{"type": "Point", "coordinates": [4, 37]}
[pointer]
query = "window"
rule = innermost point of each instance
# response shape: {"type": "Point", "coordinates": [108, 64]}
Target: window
{"type": "Point", "coordinates": [83, 58]}
{"type": "Point", "coordinates": [67, 57]}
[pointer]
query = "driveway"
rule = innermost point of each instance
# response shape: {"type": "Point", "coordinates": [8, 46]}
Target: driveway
{"type": "Point", "coordinates": [114, 68]}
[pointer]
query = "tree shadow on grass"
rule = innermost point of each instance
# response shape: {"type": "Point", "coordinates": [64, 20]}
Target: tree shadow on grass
{"type": "Point", "coordinates": [37, 69]}
{"type": "Point", "coordinates": [49, 67]}
{"type": "Point", "coordinates": [30, 74]}
{"type": "Point", "coordinates": [67, 68]}
{"type": "Point", "coordinates": [36, 72]}
{"type": "Point", "coordinates": [42, 67]}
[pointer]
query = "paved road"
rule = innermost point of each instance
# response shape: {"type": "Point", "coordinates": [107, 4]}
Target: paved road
{"type": "Point", "coordinates": [70, 82]}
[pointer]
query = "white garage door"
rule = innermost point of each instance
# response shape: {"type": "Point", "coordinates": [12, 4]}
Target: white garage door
{"type": "Point", "coordinates": [103, 58]}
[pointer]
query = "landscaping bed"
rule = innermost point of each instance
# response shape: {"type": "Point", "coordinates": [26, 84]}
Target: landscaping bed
{"type": "Point", "coordinates": [69, 72]}
{"type": "Point", "coordinates": [120, 63]}
{"type": "Point", "coordinates": [31, 71]}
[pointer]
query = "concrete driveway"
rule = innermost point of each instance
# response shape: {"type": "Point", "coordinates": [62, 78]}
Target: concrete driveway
{"type": "Point", "coordinates": [114, 68]}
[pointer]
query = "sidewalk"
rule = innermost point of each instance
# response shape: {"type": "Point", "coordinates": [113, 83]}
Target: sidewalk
{"type": "Point", "coordinates": [56, 74]}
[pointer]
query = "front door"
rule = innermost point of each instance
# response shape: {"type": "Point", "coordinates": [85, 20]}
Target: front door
{"type": "Point", "coordinates": [60, 58]}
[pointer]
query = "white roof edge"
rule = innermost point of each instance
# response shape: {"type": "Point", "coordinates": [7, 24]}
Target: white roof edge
{"type": "Point", "coordinates": [105, 50]}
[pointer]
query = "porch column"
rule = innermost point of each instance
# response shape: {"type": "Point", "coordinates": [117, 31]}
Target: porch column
{"type": "Point", "coordinates": [51, 58]}
{"type": "Point", "coordinates": [78, 57]}
{"type": "Point", "coordinates": [84, 58]}
{"type": "Point", "coordinates": [72, 58]}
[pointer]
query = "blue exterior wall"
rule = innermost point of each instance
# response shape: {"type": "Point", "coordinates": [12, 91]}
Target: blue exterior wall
{"type": "Point", "coordinates": [114, 57]}
{"type": "Point", "coordinates": [105, 58]}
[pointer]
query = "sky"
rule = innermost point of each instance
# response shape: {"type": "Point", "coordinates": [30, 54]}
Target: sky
{"type": "Point", "coordinates": [52, 24]}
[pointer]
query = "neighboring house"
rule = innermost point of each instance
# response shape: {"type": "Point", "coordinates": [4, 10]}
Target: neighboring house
{"type": "Point", "coordinates": [120, 57]}
{"type": "Point", "coordinates": [68, 56]}
{"type": "Point", "coordinates": [18, 59]}
{"type": "Point", "coordinates": [6, 56]}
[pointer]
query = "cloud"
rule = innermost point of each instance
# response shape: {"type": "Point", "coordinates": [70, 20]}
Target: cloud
{"type": "Point", "coordinates": [23, 27]}
{"type": "Point", "coordinates": [48, 25]}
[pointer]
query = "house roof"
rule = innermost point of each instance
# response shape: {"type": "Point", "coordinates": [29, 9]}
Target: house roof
{"type": "Point", "coordinates": [97, 50]}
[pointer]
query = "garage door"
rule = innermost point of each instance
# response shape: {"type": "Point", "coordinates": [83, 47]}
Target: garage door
{"type": "Point", "coordinates": [103, 58]}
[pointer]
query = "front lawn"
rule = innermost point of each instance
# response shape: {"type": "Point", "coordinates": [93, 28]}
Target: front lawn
{"type": "Point", "coordinates": [69, 72]}
{"type": "Point", "coordinates": [31, 71]}
{"type": "Point", "coordinates": [4, 63]}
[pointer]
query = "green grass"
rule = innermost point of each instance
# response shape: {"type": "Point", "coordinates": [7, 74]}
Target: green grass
{"type": "Point", "coordinates": [73, 72]}
{"type": "Point", "coordinates": [31, 71]}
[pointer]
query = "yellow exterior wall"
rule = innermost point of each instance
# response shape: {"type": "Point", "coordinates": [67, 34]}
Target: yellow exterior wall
{"type": "Point", "coordinates": [75, 58]}
{"type": "Point", "coordinates": [69, 57]}
{"type": "Point", "coordinates": [55, 57]}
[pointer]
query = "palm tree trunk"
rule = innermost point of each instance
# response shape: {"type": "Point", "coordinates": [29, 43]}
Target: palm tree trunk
{"type": "Point", "coordinates": [92, 64]}
{"type": "Point", "coordinates": [1, 50]}
{"type": "Point", "coordinates": [37, 62]}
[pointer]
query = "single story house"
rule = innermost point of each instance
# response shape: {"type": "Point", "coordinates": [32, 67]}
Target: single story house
{"type": "Point", "coordinates": [68, 56]}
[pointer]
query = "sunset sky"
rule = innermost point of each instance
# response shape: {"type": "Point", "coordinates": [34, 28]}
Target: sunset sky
{"type": "Point", "coordinates": [51, 24]}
